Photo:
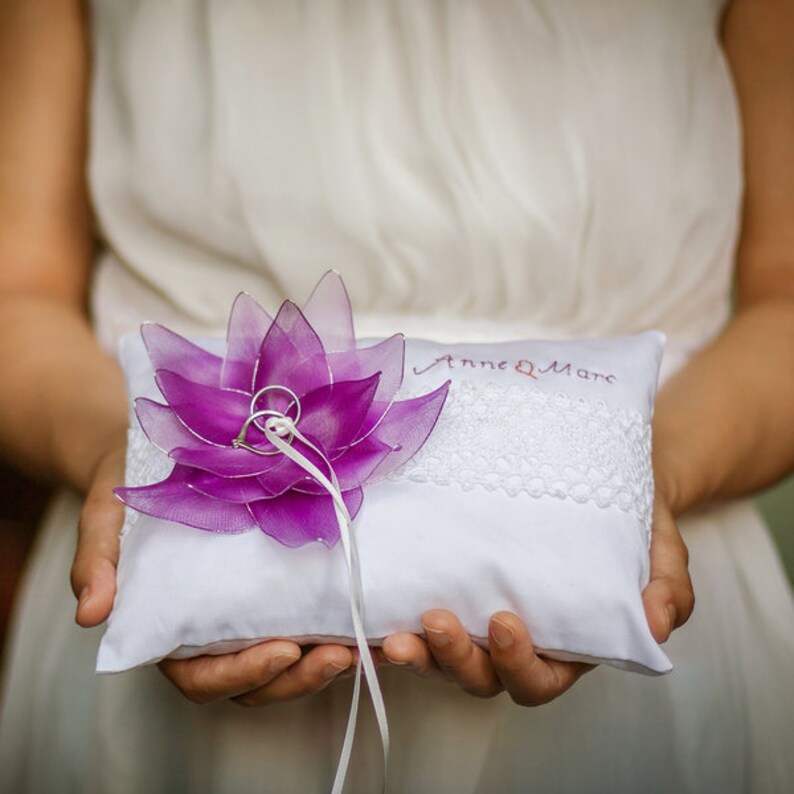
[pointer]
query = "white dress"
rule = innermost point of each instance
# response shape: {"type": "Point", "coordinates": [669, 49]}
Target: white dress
{"type": "Point", "coordinates": [474, 169]}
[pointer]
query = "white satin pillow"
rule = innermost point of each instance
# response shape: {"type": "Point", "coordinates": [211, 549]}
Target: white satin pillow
{"type": "Point", "coordinates": [532, 494]}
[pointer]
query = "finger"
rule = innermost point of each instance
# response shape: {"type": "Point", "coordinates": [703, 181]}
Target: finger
{"type": "Point", "coordinates": [94, 567]}
{"type": "Point", "coordinates": [315, 671]}
{"type": "Point", "coordinates": [529, 679]}
{"type": "Point", "coordinates": [410, 652]}
{"type": "Point", "coordinates": [459, 658]}
{"type": "Point", "coordinates": [204, 679]}
{"type": "Point", "coordinates": [668, 598]}
{"type": "Point", "coordinates": [376, 654]}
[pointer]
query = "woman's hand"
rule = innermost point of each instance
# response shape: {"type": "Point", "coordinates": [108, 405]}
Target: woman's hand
{"type": "Point", "coordinates": [668, 598]}
{"type": "Point", "coordinates": [264, 673]}
{"type": "Point", "coordinates": [511, 663]}
{"type": "Point", "coordinates": [98, 536]}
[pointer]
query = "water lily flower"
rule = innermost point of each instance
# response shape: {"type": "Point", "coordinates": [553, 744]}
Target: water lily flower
{"type": "Point", "coordinates": [301, 368]}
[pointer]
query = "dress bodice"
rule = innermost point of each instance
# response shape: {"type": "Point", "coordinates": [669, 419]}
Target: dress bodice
{"type": "Point", "coordinates": [472, 168]}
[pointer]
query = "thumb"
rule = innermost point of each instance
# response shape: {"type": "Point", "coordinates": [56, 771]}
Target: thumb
{"type": "Point", "coordinates": [668, 597]}
{"type": "Point", "coordinates": [94, 567]}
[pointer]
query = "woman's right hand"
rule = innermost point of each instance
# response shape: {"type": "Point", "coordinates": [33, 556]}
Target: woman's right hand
{"type": "Point", "coordinates": [265, 673]}
{"type": "Point", "coordinates": [97, 553]}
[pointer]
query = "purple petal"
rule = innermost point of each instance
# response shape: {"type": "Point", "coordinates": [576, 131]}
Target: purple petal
{"type": "Point", "coordinates": [239, 490]}
{"type": "Point", "coordinates": [328, 310]}
{"type": "Point", "coordinates": [406, 425]}
{"type": "Point", "coordinates": [164, 429]}
{"type": "Point", "coordinates": [289, 474]}
{"type": "Point", "coordinates": [215, 415]}
{"type": "Point", "coordinates": [225, 461]}
{"type": "Point", "coordinates": [248, 326]}
{"type": "Point", "coordinates": [173, 500]}
{"type": "Point", "coordinates": [173, 352]}
{"type": "Point", "coordinates": [282, 474]}
{"type": "Point", "coordinates": [296, 519]}
{"type": "Point", "coordinates": [376, 412]}
{"type": "Point", "coordinates": [291, 354]}
{"type": "Point", "coordinates": [353, 467]}
{"type": "Point", "coordinates": [162, 426]}
{"type": "Point", "coordinates": [335, 413]}
{"type": "Point", "coordinates": [388, 358]}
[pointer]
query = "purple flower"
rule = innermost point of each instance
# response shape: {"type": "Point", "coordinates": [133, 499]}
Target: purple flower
{"type": "Point", "coordinates": [304, 366]}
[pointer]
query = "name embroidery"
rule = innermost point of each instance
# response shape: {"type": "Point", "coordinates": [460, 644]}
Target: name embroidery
{"type": "Point", "coordinates": [523, 366]}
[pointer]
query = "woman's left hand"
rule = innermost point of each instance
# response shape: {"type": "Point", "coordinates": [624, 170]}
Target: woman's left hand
{"type": "Point", "coordinates": [668, 597]}
{"type": "Point", "coordinates": [511, 663]}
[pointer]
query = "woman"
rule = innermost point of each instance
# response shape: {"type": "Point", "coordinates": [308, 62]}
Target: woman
{"type": "Point", "coordinates": [526, 168]}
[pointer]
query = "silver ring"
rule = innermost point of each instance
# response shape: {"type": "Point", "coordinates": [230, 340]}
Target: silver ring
{"type": "Point", "coordinates": [241, 443]}
{"type": "Point", "coordinates": [275, 387]}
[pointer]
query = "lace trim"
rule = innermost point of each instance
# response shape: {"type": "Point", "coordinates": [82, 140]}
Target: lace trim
{"type": "Point", "coordinates": [145, 464]}
{"type": "Point", "coordinates": [511, 439]}
{"type": "Point", "coordinates": [517, 440]}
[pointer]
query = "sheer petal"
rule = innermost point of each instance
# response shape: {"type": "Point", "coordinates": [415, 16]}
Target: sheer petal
{"type": "Point", "coordinates": [164, 429]}
{"type": "Point", "coordinates": [162, 426]}
{"type": "Point", "coordinates": [173, 500]}
{"type": "Point", "coordinates": [353, 467]}
{"type": "Point", "coordinates": [334, 414]}
{"type": "Point", "coordinates": [248, 326]}
{"type": "Point", "coordinates": [289, 474]}
{"type": "Point", "coordinates": [239, 490]}
{"type": "Point", "coordinates": [173, 352]}
{"type": "Point", "coordinates": [213, 414]}
{"type": "Point", "coordinates": [226, 461]}
{"type": "Point", "coordinates": [296, 519]}
{"type": "Point", "coordinates": [406, 426]}
{"type": "Point", "coordinates": [386, 357]}
{"type": "Point", "coordinates": [328, 310]}
{"type": "Point", "coordinates": [291, 354]}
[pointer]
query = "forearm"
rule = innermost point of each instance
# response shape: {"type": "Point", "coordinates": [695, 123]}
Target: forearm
{"type": "Point", "coordinates": [61, 398]}
{"type": "Point", "coordinates": [724, 425]}
{"type": "Point", "coordinates": [62, 406]}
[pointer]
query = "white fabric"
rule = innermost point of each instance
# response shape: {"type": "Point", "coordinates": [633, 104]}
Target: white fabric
{"type": "Point", "coordinates": [574, 569]}
{"type": "Point", "coordinates": [475, 169]}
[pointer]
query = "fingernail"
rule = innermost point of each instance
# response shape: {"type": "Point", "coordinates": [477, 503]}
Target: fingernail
{"type": "Point", "coordinates": [331, 671]}
{"type": "Point", "coordinates": [501, 633]}
{"type": "Point", "coordinates": [436, 637]}
{"type": "Point", "coordinates": [400, 662]}
{"type": "Point", "coordinates": [84, 597]}
{"type": "Point", "coordinates": [671, 611]}
{"type": "Point", "coordinates": [281, 662]}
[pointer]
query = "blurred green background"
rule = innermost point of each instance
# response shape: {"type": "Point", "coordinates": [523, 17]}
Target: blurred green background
{"type": "Point", "coordinates": [777, 505]}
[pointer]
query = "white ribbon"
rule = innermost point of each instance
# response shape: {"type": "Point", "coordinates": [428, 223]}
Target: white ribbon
{"type": "Point", "coordinates": [280, 431]}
